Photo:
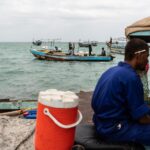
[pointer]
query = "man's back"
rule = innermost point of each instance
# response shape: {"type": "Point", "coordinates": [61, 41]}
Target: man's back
{"type": "Point", "coordinates": [113, 95]}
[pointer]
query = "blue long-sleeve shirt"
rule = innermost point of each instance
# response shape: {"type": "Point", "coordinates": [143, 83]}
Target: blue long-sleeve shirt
{"type": "Point", "coordinates": [118, 100]}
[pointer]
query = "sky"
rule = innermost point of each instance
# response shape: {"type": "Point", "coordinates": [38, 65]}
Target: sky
{"type": "Point", "coordinates": [68, 20]}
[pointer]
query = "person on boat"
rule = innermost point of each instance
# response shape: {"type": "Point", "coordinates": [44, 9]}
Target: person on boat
{"type": "Point", "coordinates": [103, 52]}
{"type": "Point", "coordinates": [71, 49]}
{"type": "Point", "coordinates": [120, 113]}
{"type": "Point", "coordinates": [90, 49]}
{"type": "Point", "coordinates": [109, 43]}
{"type": "Point", "coordinates": [56, 48]}
{"type": "Point", "coordinates": [73, 46]}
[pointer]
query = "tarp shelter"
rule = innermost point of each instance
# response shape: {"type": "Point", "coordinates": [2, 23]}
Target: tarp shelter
{"type": "Point", "coordinates": [139, 29]}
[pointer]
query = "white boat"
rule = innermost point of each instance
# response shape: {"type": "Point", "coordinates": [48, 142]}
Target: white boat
{"type": "Point", "coordinates": [116, 45]}
{"type": "Point", "coordinates": [87, 43]}
{"type": "Point", "coordinates": [46, 44]}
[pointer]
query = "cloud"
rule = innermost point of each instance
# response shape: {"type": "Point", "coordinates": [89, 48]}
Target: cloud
{"type": "Point", "coordinates": [27, 17]}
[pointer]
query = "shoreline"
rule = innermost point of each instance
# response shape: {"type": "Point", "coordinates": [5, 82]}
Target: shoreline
{"type": "Point", "coordinates": [84, 104]}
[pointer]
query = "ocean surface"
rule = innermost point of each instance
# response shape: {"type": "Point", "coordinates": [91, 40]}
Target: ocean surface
{"type": "Point", "coordinates": [22, 76]}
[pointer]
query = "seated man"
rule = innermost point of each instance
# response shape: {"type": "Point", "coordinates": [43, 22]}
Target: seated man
{"type": "Point", "coordinates": [120, 113]}
{"type": "Point", "coordinates": [103, 53]}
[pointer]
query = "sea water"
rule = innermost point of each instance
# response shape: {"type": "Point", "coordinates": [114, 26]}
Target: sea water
{"type": "Point", "coordinates": [22, 76]}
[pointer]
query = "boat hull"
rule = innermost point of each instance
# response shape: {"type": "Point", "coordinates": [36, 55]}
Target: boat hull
{"type": "Point", "coordinates": [64, 57]}
{"type": "Point", "coordinates": [117, 51]}
{"type": "Point", "coordinates": [13, 105]}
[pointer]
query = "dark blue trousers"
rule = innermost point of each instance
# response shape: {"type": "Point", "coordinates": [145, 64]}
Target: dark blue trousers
{"type": "Point", "coordinates": [136, 132]}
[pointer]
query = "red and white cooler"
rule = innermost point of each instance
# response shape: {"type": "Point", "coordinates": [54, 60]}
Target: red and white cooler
{"type": "Point", "coordinates": [57, 117]}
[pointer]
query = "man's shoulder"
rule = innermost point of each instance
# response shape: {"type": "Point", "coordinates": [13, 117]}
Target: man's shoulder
{"type": "Point", "coordinates": [119, 71]}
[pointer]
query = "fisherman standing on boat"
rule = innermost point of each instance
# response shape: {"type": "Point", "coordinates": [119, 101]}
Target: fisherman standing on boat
{"type": "Point", "coordinates": [90, 49]}
{"type": "Point", "coordinates": [71, 48]}
{"type": "Point", "coordinates": [120, 113]}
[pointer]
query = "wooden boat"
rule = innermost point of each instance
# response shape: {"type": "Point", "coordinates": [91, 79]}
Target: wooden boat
{"type": "Point", "coordinates": [60, 56]}
{"type": "Point", "coordinates": [139, 29]}
{"type": "Point", "coordinates": [86, 44]}
{"type": "Point", "coordinates": [14, 107]}
{"type": "Point", "coordinates": [116, 45]}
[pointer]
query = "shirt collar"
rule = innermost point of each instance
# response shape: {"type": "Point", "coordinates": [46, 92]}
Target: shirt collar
{"type": "Point", "coordinates": [125, 64]}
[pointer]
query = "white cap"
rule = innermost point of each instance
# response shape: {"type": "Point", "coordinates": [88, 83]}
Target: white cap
{"type": "Point", "coordinates": [58, 99]}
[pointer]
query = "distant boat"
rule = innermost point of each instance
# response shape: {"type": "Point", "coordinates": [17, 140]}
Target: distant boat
{"type": "Point", "coordinates": [37, 43]}
{"type": "Point", "coordinates": [60, 56]}
{"type": "Point", "coordinates": [139, 29]}
{"type": "Point", "coordinates": [49, 44]}
{"type": "Point", "coordinates": [117, 45]}
{"type": "Point", "coordinates": [86, 44]}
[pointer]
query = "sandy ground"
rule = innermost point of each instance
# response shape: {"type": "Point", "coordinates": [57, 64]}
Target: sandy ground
{"type": "Point", "coordinates": [18, 134]}
{"type": "Point", "coordinates": [13, 131]}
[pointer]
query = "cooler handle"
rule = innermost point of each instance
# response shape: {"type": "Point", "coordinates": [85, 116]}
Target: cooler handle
{"type": "Point", "coordinates": [46, 112]}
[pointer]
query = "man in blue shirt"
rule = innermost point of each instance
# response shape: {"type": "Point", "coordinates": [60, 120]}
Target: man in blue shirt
{"type": "Point", "coordinates": [120, 113]}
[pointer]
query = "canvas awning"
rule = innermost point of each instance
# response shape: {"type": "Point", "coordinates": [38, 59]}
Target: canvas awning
{"type": "Point", "coordinates": [139, 29]}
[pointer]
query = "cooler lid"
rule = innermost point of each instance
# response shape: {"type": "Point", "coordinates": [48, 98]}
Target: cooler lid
{"type": "Point", "coordinates": [58, 99]}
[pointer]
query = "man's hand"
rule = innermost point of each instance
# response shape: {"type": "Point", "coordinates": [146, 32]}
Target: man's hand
{"type": "Point", "coordinates": [145, 119]}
